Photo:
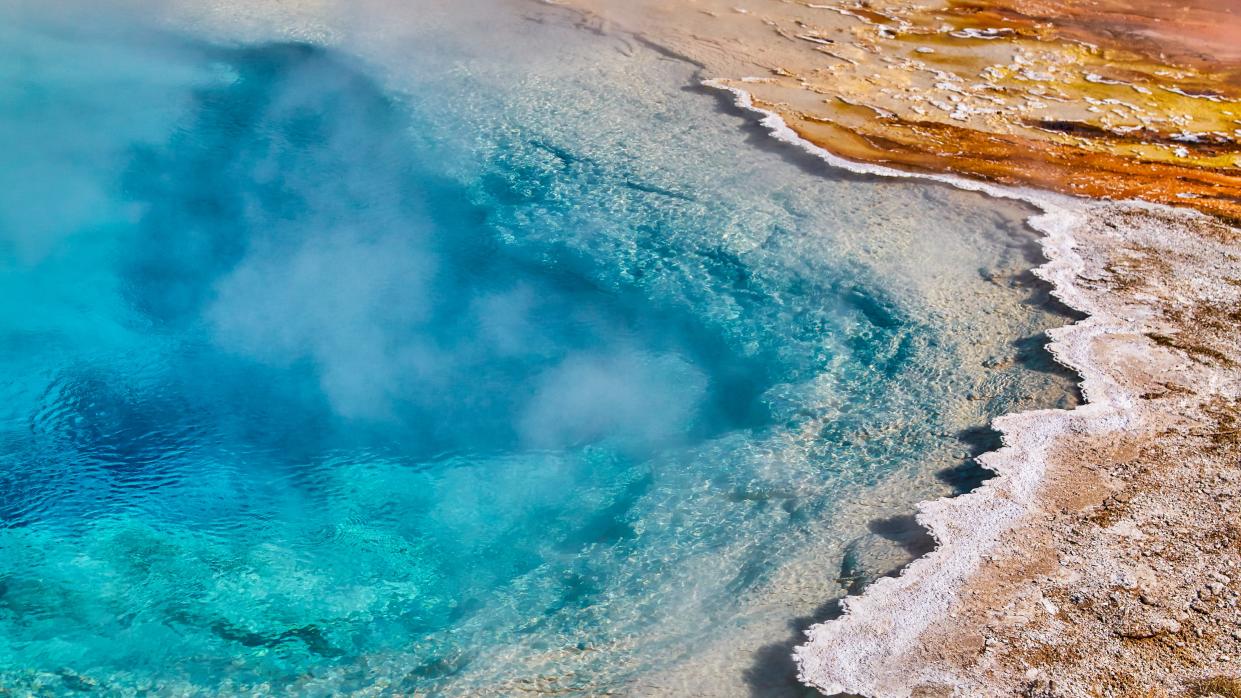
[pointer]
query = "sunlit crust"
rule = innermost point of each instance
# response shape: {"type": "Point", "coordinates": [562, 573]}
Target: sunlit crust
{"type": "Point", "coordinates": [1104, 99]}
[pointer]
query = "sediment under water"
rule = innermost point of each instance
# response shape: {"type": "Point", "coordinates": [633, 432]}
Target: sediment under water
{"type": "Point", "coordinates": [434, 360]}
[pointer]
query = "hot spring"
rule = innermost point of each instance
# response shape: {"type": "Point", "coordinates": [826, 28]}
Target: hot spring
{"type": "Point", "coordinates": [409, 349]}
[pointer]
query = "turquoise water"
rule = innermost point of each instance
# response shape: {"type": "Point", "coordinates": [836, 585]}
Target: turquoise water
{"type": "Point", "coordinates": [321, 376]}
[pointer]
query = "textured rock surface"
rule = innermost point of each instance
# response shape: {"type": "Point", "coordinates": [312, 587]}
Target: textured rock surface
{"type": "Point", "coordinates": [1107, 99]}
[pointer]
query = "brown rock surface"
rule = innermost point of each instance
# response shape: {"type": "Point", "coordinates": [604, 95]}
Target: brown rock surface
{"type": "Point", "coordinates": [1125, 579]}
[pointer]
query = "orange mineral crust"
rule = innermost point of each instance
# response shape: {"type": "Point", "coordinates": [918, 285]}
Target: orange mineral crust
{"type": "Point", "coordinates": [1099, 98]}
{"type": "Point", "coordinates": [1201, 32]}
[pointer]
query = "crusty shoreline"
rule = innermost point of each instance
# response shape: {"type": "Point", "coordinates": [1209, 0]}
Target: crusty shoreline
{"type": "Point", "coordinates": [1080, 570]}
{"type": "Point", "coordinates": [1054, 577]}
{"type": "Point", "coordinates": [926, 632]}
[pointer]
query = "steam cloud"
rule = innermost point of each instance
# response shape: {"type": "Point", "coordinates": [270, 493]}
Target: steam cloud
{"type": "Point", "coordinates": [408, 312]}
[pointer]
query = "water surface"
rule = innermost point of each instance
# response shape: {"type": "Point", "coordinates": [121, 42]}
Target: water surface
{"type": "Point", "coordinates": [429, 358]}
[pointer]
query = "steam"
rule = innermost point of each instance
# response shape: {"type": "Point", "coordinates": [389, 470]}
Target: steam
{"type": "Point", "coordinates": [588, 397]}
{"type": "Point", "coordinates": [402, 304]}
{"type": "Point", "coordinates": [279, 204]}
{"type": "Point", "coordinates": [369, 317]}
{"type": "Point", "coordinates": [338, 303]}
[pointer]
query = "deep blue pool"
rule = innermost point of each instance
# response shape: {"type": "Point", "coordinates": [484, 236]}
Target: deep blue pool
{"type": "Point", "coordinates": [310, 385]}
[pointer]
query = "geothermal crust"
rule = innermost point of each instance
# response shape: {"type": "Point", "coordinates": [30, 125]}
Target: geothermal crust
{"type": "Point", "coordinates": [1101, 98]}
{"type": "Point", "coordinates": [1047, 563]}
{"type": "Point", "coordinates": [1105, 559]}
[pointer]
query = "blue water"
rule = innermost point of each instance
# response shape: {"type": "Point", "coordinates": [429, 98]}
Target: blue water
{"type": "Point", "coordinates": [310, 385]}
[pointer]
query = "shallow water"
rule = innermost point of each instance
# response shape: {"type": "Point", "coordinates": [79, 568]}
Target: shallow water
{"type": "Point", "coordinates": [416, 356]}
